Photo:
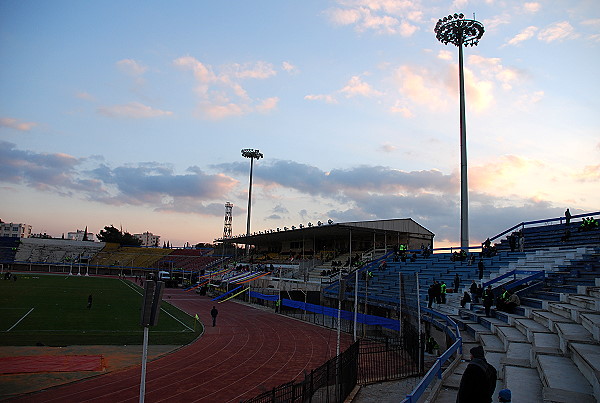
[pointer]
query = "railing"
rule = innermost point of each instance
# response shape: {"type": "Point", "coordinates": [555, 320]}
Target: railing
{"type": "Point", "coordinates": [533, 275]}
{"type": "Point", "coordinates": [436, 370]}
{"type": "Point", "coordinates": [547, 220]}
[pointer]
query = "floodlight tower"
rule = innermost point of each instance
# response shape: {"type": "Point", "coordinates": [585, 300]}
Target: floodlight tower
{"type": "Point", "coordinates": [228, 219]}
{"type": "Point", "coordinates": [253, 155]}
{"type": "Point", "coordinates": [455, 29]}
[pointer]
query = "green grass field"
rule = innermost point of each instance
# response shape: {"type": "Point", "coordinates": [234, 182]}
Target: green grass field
{"type": "Point", "coordinates": [52, 310]}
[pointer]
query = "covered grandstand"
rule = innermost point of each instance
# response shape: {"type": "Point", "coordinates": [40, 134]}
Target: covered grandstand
{"type": "Point", "coordinates": [328, 240]}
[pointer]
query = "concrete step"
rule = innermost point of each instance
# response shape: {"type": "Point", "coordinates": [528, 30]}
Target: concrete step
{"type": "Point", "coordinates": [572, 333]}
{"type": "Point", "coordinates": [524, 384]}
{"type": "Point", "coordinates": [587, 359]}
{"type": "Point", "coordinates": [549, 319]}
{"type": "Point", "coordinates": [518, 354]}
{"type": "Point", "coordinates": [546, 343]}
{"type": "Point", "coordinates": [530, 326]}
{"type": "Point", "coordinates": [591, 321]}
{"type": "Point", "coordinates": [494, 360]}
{"type": "Point", "coordinates": [568, 311]}
{"type": "Point", "coordinates": [509, 335]}
{"type": "Point", "coordinates": [492, 343]}
{"type": "Point", "coordinates": [562, 380]}
{"type": "Point", "coordinates": [584, 301]}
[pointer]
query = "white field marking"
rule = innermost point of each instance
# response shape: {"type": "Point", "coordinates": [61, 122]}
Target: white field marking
{"type": "Point", "coordinates": [162, 309]}
{"type": "Point", "coordinates": [23, 317]}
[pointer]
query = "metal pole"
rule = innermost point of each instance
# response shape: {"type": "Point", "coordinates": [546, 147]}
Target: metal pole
{"type": "Point", "coordinates": [464, 188]}
{"type": "Point", "coordinates": [249, 206]}
{"type": "Point", "coordinates": [355, 303]}
{"type": "Point", "coordinates": [144, 360]}
{"type": "Point", "coordinates": [400, 303]}
{"type": "Point", "coordinates": [419, 318]}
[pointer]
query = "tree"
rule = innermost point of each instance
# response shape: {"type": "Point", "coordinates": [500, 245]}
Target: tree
{"type": "Point", "coordinates": [112, 234]}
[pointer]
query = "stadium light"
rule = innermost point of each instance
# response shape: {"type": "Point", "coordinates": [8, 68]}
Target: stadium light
{"type": "Point", "coordinates": [455, 29]}
{"type": "Point", "coordinates": [253, 155]}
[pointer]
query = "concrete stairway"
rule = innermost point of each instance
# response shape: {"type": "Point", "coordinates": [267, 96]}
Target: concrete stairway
{"type": "Point", "coordinates": [548, 354]}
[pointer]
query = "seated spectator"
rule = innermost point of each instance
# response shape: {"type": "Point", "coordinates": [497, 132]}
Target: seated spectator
{"type": "Point", "coordinates": [466, 298]}
{"type": "Point", "coordinates": [512, 302]}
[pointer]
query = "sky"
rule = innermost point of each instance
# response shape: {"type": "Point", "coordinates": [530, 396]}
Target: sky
{"type": "Point", "coordinates": [133, 114]}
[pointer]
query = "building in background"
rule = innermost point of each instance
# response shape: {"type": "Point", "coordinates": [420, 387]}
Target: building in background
{"type": "Point", "coordinates": [81, 235]}
{"type": "Point", "coordinates": [15, 230]}
{"type": "Point", "coordinates": [148, 239]}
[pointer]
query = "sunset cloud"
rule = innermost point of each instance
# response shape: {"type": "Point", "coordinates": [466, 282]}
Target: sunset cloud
{"type": "Point", "coordinates": [133, 110]}
{"type": "Point", "coordinates": [17, 124]}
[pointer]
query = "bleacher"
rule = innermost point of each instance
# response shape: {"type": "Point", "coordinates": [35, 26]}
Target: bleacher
{"type": "Point", "coordinates": [8, 249]}
{"type": "Point", "coordinates": [187, 259]}
{"type": "Point", "coordinates": [55, 251]}
{"type": "Point", "coordinates": [115, 255]}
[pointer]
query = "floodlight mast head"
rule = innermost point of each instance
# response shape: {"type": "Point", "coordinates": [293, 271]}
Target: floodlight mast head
{"type": "Point", "coordinates": [456, 30]}
{"type": "Point", "coordinates": [251, 153]}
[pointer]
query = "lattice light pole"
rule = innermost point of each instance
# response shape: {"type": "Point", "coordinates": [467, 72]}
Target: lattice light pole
{"type": "Point", "coordinates": [253, 155]}
{"type": "Point", "coordinates": [455, 29]}
{"type": "Point", "coordinates": [228, 219]}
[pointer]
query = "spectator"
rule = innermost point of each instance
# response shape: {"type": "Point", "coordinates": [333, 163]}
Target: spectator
{"type": "Point", "coordinates": [466, 298]}
{"type": "Point", "coordinates": [478, 382]}
{"type": "Point", "coordinates": [443, 292]}
{"type": "Point", "coordinates": [480, 267]}
{"type": "Point", "coordinates": [430, 296]}
{"type": "Point", "coordinates": [214, 312]}
{"type": "Point", "coordinates": [521, 241]}
{"type": "Point", "coordinates": [473, 290]}
{"type": "Point", "coordinates": [567, 217]}
{"type": "Point", "coordinates": [456, 282]}
{"type": "Point", "coordinates": [505, 396]}
{"type": "Point", "coordinates": [488, 300]}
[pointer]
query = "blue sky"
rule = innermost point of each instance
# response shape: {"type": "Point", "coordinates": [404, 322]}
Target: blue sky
{"type": "Point", "coordinates": [134, 114]}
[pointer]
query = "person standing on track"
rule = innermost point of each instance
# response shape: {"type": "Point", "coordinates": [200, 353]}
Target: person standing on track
{"type": "Point", "coordinates": [214, 312]}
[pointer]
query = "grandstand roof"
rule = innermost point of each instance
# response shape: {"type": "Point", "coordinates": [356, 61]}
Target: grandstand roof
{"type": "Point", "coordinates": [334, 231]}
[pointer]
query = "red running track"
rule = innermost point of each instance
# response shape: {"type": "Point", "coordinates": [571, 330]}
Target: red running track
{"type": "Point", "coordinates": [249, 351]}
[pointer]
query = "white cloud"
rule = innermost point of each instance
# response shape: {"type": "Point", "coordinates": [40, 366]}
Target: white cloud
{"type": "Point", "coordinates": [17, 124]}
{"type": "Point", "coordinates": [267, 105]}
{"type": "Point", "coordinates": [85, 96]}
{"type": "Point", "coordinates": [532, 7]}
{"type": "Point", "coordinates": [388, 148]}
{"type": "Point", "coordinates": [524, 35]}
{"type": "Point", "coordinates": [222, 94]}
{"type": "Point", "coordinates": [492, 68]}
{"type": "Point", "coordinates": [356, 86]}
{"type": "Point", "coordinates": [379, 16]}
{"type": "Point", "coordinates": [289, 67]}
{"type": "Point", "coordinates": [445, 55]}
{"type": "Point", "coordinates": [133, 110]}
{"type": "Point", "coordinates": [330, 99]}
{"type": "Point", "coordinates": [131, 67]}
{"type": "Point", "coordinates": [557, 32]}
{"type": "Point", "coordinates": [420, 87]}
{"type": "Point", "coordinates": [398, 108]}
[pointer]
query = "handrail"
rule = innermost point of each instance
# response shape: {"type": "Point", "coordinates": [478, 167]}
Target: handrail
{"type": "Point", "coordinates": [559, 219]}
{"type": "Point", "coordinates": [533, 275]}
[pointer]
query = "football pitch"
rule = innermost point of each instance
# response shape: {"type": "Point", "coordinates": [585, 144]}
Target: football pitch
{"type": "Point", "coordinates": [52, 310]}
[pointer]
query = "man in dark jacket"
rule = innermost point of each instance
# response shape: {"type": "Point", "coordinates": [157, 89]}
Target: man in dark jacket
{"type": "Point", "coordinates": [214, 312]}
{"type": "Point", "coordinates": [478, 381]}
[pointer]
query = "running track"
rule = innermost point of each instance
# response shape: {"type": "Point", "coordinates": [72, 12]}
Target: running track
{"type": "Point", "coordinates": [249, 351]}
